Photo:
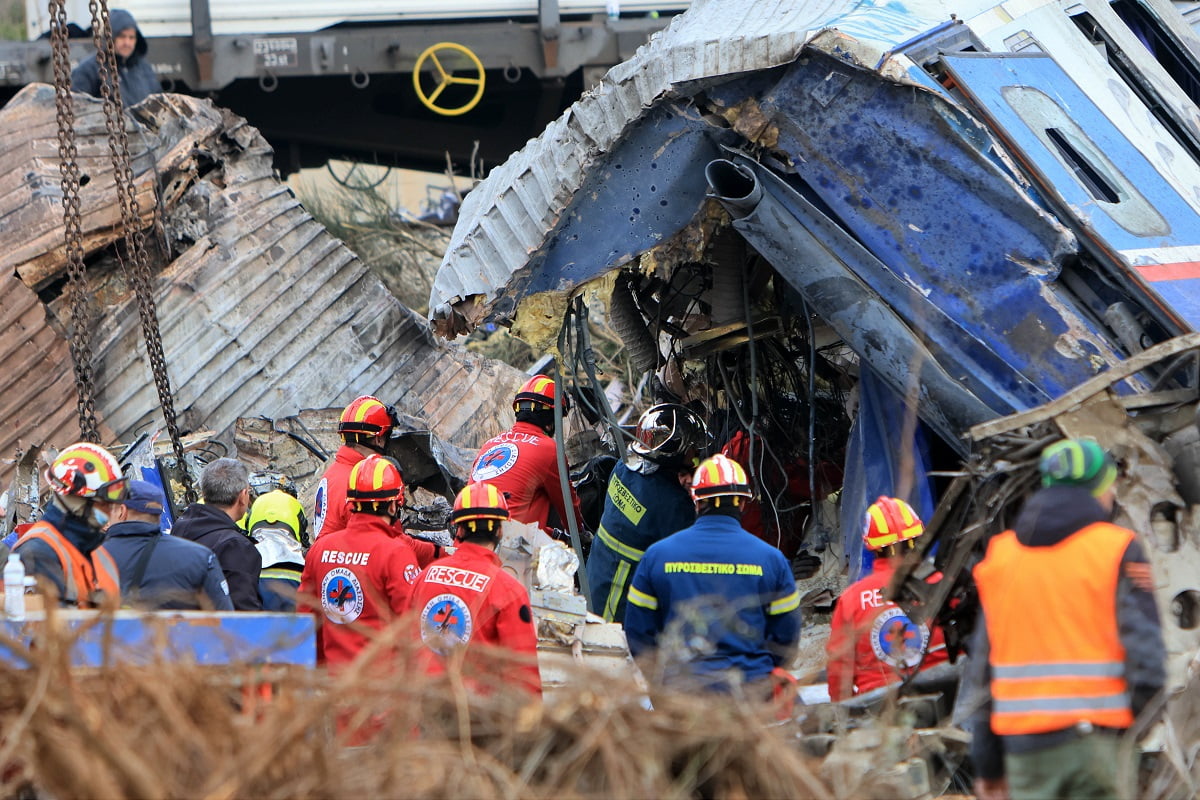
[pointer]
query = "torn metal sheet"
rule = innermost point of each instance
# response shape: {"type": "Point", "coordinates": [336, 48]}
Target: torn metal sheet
{"type": "Point", "coordinates": [512, 215]}
{"type": "Point", "coordinates": [261, 310]}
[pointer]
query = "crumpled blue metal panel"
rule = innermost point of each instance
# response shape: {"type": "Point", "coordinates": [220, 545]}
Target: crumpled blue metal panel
{"type": "Point", "coordinates": [642, 193]}
{"type": "Point", "coordinates": [825, 264]}
{"type": "Point", "coordinates": [890, 162]}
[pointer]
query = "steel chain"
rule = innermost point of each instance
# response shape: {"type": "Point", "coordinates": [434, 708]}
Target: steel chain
{"type": "Point", "coordinates": [79, 331]}
{"type": "Point", "coordinates": [135, 261]}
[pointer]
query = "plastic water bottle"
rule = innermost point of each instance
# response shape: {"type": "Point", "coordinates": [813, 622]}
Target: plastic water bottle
{"type": "Point", "coordinates": [614, 9]}
{"type": "Point", "coordinates": [14, 588]}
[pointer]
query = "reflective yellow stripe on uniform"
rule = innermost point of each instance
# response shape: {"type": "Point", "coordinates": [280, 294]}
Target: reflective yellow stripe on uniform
{"type": "Point", "coordinates": [623, 550]}
{"type": "Point", "coordinates": [616, 592]}
{"type": "Point", "coordinates": [650, 602]}
{"type": "Point", "coordinates": [785, 604]}
{"type": "Point", "coordinates": [279, 573]}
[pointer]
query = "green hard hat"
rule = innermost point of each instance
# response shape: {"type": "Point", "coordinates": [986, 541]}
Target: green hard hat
{"type": "Point", "coordinates": [1078, 462]}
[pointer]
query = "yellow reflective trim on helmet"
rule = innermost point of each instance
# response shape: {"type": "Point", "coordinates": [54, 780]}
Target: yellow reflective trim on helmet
{"type": "Point", "coordinates": [380, 471]}
{"type": "Point", "coordinates": [649, 601]}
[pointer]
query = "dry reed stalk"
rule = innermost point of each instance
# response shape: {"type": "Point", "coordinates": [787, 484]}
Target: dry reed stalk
{"type": "Point", "coordinates": [173, 730]}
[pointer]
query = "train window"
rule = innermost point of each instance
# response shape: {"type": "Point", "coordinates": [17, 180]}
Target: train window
{"type": "Point", "coordinates": [1094, 171]}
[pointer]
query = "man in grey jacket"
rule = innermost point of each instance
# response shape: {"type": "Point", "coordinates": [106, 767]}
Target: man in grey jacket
{"type": "Point", "coordinates": [159, 570]}
{"type": "Point", "coordinates": [137, 77]}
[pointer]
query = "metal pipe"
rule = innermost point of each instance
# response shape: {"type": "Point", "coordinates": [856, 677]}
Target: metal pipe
{"type": "Point", "coordinates": [735, 186]}
{"type": "Point", "coordinates": [564, 476]}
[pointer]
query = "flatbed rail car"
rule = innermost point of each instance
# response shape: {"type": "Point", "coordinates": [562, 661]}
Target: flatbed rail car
{"type": "Point", "coordinates": [325, 80]}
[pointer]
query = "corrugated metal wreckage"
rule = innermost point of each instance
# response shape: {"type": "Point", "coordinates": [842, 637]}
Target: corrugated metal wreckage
{"type": "Point", "coordinates": [862, 233]}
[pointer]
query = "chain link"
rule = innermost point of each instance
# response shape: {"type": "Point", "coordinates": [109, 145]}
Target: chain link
{"type": "Point", "coordinates": [135, 260]}
{"type": "Point", "coordinates": [79, 330]}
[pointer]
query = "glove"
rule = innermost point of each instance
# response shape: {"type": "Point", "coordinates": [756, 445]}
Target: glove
{"type": "Point", "coordinates": [805, 565]}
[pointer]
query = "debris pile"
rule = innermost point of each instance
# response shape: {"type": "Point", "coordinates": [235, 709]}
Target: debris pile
{"type": "Point", "coordinates": [262, 312]}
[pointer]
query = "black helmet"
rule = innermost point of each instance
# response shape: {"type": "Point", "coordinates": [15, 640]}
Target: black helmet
{"type": "Point", "coordinates": [670, 434]}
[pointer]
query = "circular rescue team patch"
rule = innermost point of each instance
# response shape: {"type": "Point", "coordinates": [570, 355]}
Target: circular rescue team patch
{"type": "Point", "coordinates": [897, 640]}
{"type": "Point", "coordinates": [495, 461]}
{"type": "Point", "coordinates": [446, 623]}
{"type": "Point", "coordinates": [320, 506]}
{"type": "Point", "coordinates": [341, 596]}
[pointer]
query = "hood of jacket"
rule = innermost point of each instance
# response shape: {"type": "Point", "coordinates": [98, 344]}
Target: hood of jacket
{"type": "Point", "coordinates": [76, 529]}
{"type": "Point", "coordinates": [1054, 513]}
{"type": "Point", "coordinates": [119, 19]}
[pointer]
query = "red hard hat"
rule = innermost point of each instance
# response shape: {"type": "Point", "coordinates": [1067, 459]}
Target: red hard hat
{"type": "Point", "coordinates": [479, 501]}
{"type": "Point", "coordinates": [890, 521]}
{"type": "Point", "coordinates": [720, 476]}
{"type": "Point", "coordinates": [375, 479]}
{"type": "Point", "coordinates": [367, 415]}
{"type": "Point", "coordinates": [537, 393]}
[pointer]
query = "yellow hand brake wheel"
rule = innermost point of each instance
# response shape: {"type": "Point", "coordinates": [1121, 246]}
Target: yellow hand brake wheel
{"type": "Point", "coordinates": [447, 78]}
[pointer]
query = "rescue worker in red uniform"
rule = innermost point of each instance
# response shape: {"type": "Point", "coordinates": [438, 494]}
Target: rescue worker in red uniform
{"type": "Point", "coordinates": [872, 642]}
{"type": "Point", "coordinates": [1068, 648]}
{"type": "Point", "coordinates": [360, 577]}
{"type": "Point", "coordinates": [63, 549]}
{"type": "Point", "coordinates": [472, 614]}
{"type": "Point", "coordinates": [365, 426]}
{"type": "Point", "coordinates": [523, 462]}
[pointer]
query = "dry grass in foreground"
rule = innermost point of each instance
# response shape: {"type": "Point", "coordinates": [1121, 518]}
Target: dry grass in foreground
{"type": "Point", "coordinates": [173, 730]}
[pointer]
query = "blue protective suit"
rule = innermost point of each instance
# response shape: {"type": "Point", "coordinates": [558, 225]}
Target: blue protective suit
{"type": "Point", "coordinates": [714, 599]}
{"type": "Point", "coordinates": [639, 510]}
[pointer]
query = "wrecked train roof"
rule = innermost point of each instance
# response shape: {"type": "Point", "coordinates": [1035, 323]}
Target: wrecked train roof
{"type": "Point", "coordinates": [261, 310]}
{"type": "Point", "coordinates": [875, 169]}
{"type": "Point", "coordinates": [506, 220]}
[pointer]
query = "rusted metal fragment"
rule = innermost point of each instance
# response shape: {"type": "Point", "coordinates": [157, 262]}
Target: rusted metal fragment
{"type": "Point", "coordinates": [748, 119]}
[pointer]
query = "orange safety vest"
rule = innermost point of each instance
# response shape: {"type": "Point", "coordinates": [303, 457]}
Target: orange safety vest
{"type": "Point", "coordinates": [94, 575]}
{"type": "Point", "coordinates": [1051, 615]}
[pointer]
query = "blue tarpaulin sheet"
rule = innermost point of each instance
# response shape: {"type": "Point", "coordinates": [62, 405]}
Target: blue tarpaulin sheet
{"type": "Point", "coordinates": [873, 464]}
{"type": "Point", "coordinates": [195, 637]}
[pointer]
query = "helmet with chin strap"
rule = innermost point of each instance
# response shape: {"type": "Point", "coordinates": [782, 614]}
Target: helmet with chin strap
{"type": "Point", "coordinates": [87, 471]}
{"type": "Point", "coordinates": [479, 502]}
{"type": "Point", "coordinates": [374, 481]}
{"type": "Point", "coordinates": [537, 394]}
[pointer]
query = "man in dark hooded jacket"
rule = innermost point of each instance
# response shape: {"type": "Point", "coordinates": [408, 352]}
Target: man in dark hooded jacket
{"type": "Point", "coordinates": [137, 77]}
{"type": "Point", "coordinates": [225, 487]}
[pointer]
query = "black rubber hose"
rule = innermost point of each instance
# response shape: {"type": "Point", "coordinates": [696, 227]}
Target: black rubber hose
{"type": "Point", "coordinates": [627, 321]}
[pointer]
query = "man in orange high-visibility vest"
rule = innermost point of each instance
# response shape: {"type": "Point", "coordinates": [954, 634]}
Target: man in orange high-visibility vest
{"type": "Point", "coordinates": [1068, 649]}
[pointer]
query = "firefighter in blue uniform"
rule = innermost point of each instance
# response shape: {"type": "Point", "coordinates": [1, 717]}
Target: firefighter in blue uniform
{"type": "Point", "coordinates": [716, 604]}
{"type": "Point", "coordinates": [645, 502]}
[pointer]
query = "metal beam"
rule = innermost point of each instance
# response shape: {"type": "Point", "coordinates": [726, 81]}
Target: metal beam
{"type": "Point", "coordinates": [202, 41]}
